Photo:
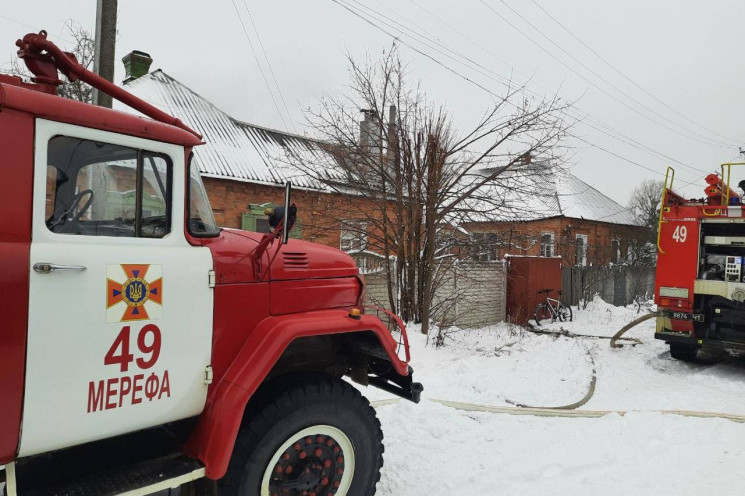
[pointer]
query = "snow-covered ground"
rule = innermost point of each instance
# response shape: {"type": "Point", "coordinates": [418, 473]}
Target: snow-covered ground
{"type": "Point", "coordinates": [435, 450]}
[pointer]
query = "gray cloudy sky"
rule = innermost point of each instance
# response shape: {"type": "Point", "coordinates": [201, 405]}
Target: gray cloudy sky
{"type": "Point", "coordinates": [686, 55]}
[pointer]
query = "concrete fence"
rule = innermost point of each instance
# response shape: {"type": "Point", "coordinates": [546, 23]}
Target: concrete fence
{"type": "Point", "coordinates": [617, 284]}
{"type": "Point", "coordinates": [467, 294]}
{"type": "Point", "coordinates": [472, 294]}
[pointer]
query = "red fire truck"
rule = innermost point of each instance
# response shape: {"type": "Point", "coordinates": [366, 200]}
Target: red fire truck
{"type": "Point", "coordinates": [700, 281]}
{"type": "Point", "coordinates": [146, 349]}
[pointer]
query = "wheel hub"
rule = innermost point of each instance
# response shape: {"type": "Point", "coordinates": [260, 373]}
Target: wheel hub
{"type": "Point", "coordinates": [311, 466]}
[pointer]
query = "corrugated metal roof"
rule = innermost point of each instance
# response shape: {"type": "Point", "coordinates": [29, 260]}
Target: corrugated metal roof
{"type": "Point", "coordinates": [246, 152]}
{"type": "Point", "coordinates": [544, 192]}
{"type": "Point", "coordinates": [580, 200]}
{"type": "Point", "coordinates": [234, 149]}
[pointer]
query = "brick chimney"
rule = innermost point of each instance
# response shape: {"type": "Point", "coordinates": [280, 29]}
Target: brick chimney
{"type": "Point", "coordinates": [136, 64]}
{"type": "Point", "coordinates": [369, 130]}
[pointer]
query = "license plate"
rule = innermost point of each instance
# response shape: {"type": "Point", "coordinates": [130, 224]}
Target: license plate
{"type": "Point", "coordinates": [696, 317]}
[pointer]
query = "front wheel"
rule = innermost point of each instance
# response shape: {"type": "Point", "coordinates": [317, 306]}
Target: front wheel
{"type": "Point", "coordinates": [565, 313]}
{"type": "Point", "coordinates": [543, 313]}
{"type": "Point", "coordinates": [318, 436]}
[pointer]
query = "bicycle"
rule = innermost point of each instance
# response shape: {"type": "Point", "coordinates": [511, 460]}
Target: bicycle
{"type": "Point", "coordinates": [552, 309]}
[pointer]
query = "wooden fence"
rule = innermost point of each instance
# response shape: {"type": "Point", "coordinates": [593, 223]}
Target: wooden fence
{"type": "Point", "coordinates": [617, 284]}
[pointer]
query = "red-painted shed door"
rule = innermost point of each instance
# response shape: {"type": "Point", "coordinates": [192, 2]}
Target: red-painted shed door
{"type": "Point", "coordinates": [525, 277]}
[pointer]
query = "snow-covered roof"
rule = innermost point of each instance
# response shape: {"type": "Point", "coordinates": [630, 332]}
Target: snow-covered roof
{"type": "Point", "coordinates": [233, 149]}
{"type": "Point", "coordinates": [579, 200]}
{"type": "Point", "coordinates": [241, 151]}
{"type": "Point", "coordinates": [544, 193]}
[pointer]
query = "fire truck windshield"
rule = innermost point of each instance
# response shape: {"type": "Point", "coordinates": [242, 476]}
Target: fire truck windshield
{"type": "Point", "coordinates": [201, 219]}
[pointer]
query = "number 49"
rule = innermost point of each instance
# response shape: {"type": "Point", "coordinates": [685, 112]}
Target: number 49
{"type": "Point", "coordinates": [680, 234]}
{"type": "Point", "coordinates": [124, 358]}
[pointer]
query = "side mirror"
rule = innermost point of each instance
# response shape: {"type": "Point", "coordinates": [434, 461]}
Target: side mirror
{"type": "Point", "coordinates": [286, 217]}
{"type": "Point", "coordinates": [277, 215]}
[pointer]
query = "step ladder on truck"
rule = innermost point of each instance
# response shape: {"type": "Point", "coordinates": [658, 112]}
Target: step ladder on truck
{"type": "Point", "coordinates": [700, 277]}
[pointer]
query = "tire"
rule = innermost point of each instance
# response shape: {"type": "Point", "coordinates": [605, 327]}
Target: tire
{"type": "Point", "coordinates": [543, 314]}
{"type": "Point", "coordinates": [318, 436]}
{"type": "Point", "coordinates": [685, 352]}
{"type": "Point", "coordinates": [565, 313]}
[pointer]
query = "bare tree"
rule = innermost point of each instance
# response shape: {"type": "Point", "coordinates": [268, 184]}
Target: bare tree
{"type": "Point", "coordinates": [645, 203]}
{"type": "Point", "coordinates": [413, 176]}
{"type": "Point", "coordinates": [82, 47]}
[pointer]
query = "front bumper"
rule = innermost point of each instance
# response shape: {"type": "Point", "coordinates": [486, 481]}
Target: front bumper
{"type": "Point", "coordinates": [400, 385]}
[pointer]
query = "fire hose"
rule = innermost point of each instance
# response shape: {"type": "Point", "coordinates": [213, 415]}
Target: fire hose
{"type": "Point", "coordinates": [624, 329]}
{"type": "Point", "coordinates": [571, 409]}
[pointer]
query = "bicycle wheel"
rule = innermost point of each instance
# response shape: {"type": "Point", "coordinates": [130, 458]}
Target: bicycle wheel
{"type": "Point", "coordinates": [565, 313]}
{"type": "Point", "coordinates": [543, 313]}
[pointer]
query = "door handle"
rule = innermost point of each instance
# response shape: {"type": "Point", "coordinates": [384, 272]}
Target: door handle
{"type": "Point", "coordinates": [46, 267]}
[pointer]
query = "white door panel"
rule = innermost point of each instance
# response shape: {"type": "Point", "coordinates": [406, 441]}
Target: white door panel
{"type": "Point", "coordinates": [123, 344]}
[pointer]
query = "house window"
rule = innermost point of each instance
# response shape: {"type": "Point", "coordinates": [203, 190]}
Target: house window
{"type": "Point", "coordinates": [615, 248]}
{"type": "Point", "coordinates": [353, 237]}
{"type": "Point", "coordinates": [580, 249]}
{"type": "Point", "coordinates": [547, 244]}
{"type": "Point", "coordinates": [484, 247]}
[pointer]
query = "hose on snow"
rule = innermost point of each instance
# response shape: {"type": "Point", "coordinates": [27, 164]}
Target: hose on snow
{"type": "Point", "coordinates": [571, 406]}
{"type": "Point", "coordinates": [624, 329]}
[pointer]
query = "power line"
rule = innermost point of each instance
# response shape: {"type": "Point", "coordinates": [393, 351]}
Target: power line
{"type": "Point", "coordinates": [594, 52]}
{"type": "Point", "coordinates": [628, 140]}
{"type": "Point", "coordinates": [607, 130]}
{"type": "Point", "coordinates": [420, 52]}
{"type": "Point", "coordinates": [693, 136]}
{"type": "Point", "coordinates": [630, 97]}
{"type": "Point", "coordinates": [271, 71]}
{"type": "Point", "coordinates": [462, 76]}
{"type": "Point", "coordinates": [33, 28]}
{"type": "Point", "coordinates": [258, 63]}
{"type": "Point", "coordinates": [629, 160]}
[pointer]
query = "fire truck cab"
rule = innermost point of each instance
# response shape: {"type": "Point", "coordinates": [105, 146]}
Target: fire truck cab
{"type": "Point", "coordinates": [700, 280]}
{"type": "Point", "coordinates": [146, 349]}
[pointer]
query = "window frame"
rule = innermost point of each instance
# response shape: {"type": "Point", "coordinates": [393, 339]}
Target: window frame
{"type": "Point", "coordinates": [140, 153]}
{"type": "Point", "coordinates": [616, 255]}
{"type": "Point", "coordinates": [359, 233]}
{"type": "Point", "coordinates": [484, 250]}
{"type": "Point", "coordinates": [551, 243]}
{"type": "Point", "coordinates": [584, 238]}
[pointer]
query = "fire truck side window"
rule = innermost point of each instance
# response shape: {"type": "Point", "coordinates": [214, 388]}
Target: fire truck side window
{"type": "Point", "coordinates": [99, 189]}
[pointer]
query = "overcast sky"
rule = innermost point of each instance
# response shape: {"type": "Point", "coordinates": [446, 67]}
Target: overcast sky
{"type": "Point", "coordinates": [676, 65]}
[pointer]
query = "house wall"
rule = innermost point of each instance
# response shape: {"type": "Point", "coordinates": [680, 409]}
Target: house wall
{"type": "Point", "coordinates": [320, 213]}
{"type": "Point", "coordinates": [524, 238]}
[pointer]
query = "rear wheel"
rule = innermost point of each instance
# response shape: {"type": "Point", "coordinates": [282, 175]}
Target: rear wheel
{"type": "Point", "coordinates": [685, 352]}
{"type": "Point", "coordinates": [320, 436]}
{"type": "Point", "coordinates": [543, 314]}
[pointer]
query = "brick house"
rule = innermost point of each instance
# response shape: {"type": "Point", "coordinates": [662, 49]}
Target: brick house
{"type": "Point", "coordinates": [565, 217]}
{"type": "Point", "coordinates": [245, 166]}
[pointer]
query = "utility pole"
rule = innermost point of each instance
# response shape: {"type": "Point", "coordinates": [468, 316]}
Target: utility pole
{"type": "Point", "coordinates": [103, 60]}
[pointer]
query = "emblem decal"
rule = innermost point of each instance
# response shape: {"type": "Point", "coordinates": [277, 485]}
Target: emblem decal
{"type": "Point", "coordinates": [134, 292]}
